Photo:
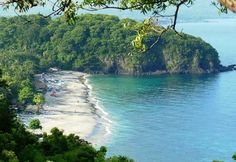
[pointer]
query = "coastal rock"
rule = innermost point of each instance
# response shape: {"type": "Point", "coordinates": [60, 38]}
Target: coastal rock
{"type": "Point", "coordinates": [39, 84]}
{"type": "Point", "coordinates": [227, 68]}
{"type": "Point", "coordinates": [31, 109]}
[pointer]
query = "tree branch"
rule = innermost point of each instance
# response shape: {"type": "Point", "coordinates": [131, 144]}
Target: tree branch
{"type": "Point", "coordinates": [176, 13]}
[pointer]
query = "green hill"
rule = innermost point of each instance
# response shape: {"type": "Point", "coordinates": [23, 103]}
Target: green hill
{"type": "Point", "coordinates": [94, 44]}
{"type": "Point", "coordinates": [99, 44]}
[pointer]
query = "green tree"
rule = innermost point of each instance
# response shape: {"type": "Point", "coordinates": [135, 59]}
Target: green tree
{"type": "Point", "coordinates": [9, 156]}
{"type": "Point", "coordinates": [119, 159]}
{"type": "Point", "coordinates": [35, 124]}
{"type": "Point", "coordinates": [234, 156]}
{"type": "Point", "coordinates": [7, 116]}
{"type": "Point", "coordinates": [39, 100]}
{"type": "Point", "coordinates": [26, 95]}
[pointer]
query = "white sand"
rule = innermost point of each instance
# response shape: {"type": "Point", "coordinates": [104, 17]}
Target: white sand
{"type": "Point", "coordinates": [71, 109]}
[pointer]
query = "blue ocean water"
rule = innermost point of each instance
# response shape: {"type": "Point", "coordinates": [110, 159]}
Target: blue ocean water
{"type": "Point", "coordinates": [175, 118]}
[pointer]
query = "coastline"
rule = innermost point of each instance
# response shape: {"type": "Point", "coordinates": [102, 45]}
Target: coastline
{"type": "Point", "coordinates": [71, 107]}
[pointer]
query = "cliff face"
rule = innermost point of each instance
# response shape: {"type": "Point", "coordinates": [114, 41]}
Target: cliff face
{"type": "Point", "coordinates": [173, 54]}
{"type": "Point", "coordinates": [101, 44]}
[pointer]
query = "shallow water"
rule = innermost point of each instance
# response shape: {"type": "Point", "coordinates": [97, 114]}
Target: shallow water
{"type": "Point", "coordinates": [181, 118]}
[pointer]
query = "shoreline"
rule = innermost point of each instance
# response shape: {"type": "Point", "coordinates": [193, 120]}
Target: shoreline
{"type": "Point", "coordinates": [221, 69]}
{"type": "Point", "coordinates": [71, 107]}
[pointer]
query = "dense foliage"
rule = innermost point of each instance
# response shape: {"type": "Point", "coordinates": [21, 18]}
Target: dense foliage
{"type": "Point", "coordinates": [35, 124]}
{"type": "Point", "coordinates": [92, 42]}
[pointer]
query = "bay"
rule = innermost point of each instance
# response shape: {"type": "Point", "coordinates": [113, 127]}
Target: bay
{"type": "Point", "coordinates": [181, 118]}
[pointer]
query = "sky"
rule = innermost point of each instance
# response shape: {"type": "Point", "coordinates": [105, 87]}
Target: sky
{"type": "Point", "coordinates": [201, 10]}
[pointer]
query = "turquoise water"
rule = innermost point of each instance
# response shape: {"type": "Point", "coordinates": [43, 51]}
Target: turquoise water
{"type": "Point", "coordinates": [175, 118]}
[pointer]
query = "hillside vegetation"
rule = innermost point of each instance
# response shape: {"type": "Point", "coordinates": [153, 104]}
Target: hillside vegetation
{"type": "Point", "coordinates": [94, 44]}
{"type": "Point", "coordinates": [99, 43]}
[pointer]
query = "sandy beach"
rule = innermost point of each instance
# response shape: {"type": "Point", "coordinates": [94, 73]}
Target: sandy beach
{"type": "Point", "coordinates": [68, 107]}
